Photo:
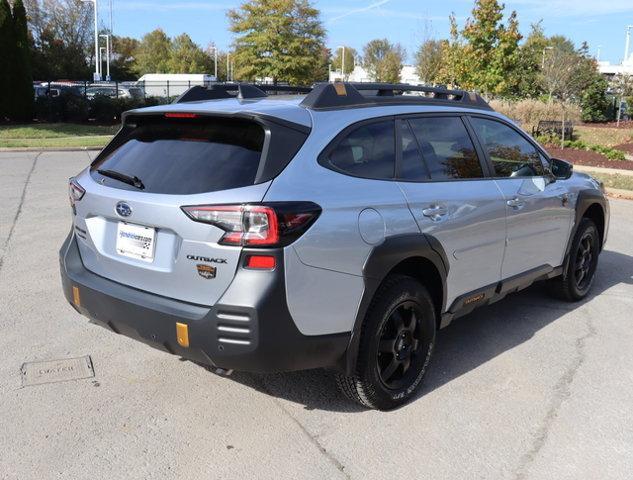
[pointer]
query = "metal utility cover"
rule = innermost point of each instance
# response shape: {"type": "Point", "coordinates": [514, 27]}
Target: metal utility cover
{"type": "Point", "coordinates": [37, 373]}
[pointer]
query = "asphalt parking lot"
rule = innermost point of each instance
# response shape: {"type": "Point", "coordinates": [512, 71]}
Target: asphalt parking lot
{"type": "Point", "coordinates": [529, 388]}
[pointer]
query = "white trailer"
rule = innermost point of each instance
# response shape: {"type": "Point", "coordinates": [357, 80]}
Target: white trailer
{"type": "Point", "coordinates": [172, 84]}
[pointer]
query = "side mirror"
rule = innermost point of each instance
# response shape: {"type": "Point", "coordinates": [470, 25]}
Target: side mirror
{"type": "Point", "coordinates": [561, 169]}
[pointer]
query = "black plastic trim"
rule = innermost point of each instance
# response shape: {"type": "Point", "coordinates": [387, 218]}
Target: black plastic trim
{"type": "Point", "coordinates": [382, 260]}
{"type": "Point", "coordinates": [249, 329]}
{"type": "Point", "coordinates": [466, 303]}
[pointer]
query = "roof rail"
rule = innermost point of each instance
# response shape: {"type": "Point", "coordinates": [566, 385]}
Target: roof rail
{"type": "Point", "coordinates": [326, 96]}
{"type": "Point", "coordinates": [242, 91]}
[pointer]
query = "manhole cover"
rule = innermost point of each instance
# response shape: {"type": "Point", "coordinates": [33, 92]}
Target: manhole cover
{"type": "Point", "coordinates": [36, 373]}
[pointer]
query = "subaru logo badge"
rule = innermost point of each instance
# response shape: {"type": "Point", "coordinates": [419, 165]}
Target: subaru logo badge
{"type": "Point", "coordinates": [123, 209]}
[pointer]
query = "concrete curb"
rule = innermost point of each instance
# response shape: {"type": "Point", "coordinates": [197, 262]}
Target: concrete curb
{"type": "Point", "coordinates": [51, 149]}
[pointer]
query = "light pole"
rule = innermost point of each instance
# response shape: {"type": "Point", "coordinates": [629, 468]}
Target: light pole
{"type": "Point", "coordinates": [342, 61]}
{"type": "Point", "coordinates": [228, 67]}
{"type": "Point", "coordinates": [107, 37]}
{"type": "Point", "coordinates": [215, 56]}
{"type": "Point", "coordinates": [627, 43]}
{"type": "Point", "coordinates": [97, 74]}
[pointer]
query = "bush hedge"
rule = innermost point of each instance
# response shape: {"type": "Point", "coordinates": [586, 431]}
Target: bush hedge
{"type": "Point", "coordinates": [77, 109]}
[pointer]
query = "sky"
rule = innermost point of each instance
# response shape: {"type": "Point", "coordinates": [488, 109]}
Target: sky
{"type": "Point", "coordinates": [601, 23]}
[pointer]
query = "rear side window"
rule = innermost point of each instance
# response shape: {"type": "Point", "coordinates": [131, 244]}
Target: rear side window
{"type": "Point", "coordinates": [180, 157]}
{"type": "Point", "coordinates": [510, 153]}
{"type": "Point", "coordinates": [446, 148]}
{"type": "Point", "coordinates": [368, 151]}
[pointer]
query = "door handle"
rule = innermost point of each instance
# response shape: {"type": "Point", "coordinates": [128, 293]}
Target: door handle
{"type": "Point", "coordinates": [516, 203]}
{"type": "Point", "coordinates": [435, 212]}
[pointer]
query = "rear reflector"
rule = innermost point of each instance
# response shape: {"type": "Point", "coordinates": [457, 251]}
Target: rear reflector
{"type": "Point", "coordinates": [181, 115]}
{"type": "Point", "coordinates": [182, 334]}
{"type": "Point", "coordinates": [261, 262]}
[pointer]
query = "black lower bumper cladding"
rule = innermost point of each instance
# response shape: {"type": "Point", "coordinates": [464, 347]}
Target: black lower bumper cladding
{"type": "Point", "coordinates": [249, 329]}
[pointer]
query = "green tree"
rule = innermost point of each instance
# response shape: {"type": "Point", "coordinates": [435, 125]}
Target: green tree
{"type": "Point", "coordinates": [122, 65]}
{"type": "Point", "coordinates": [485, 54]}
{"type": "Point", "coordinates": [154, 53]}
{"type": "Point", "coordinates": [188, 57]}
{"type": "Point", "coordinates": [429, 60]}
{"type": "Point", "coordinates": [22, 91]}
{"type": "Point", "coordinates": [277, 39]}
{"type": "Point", "coordinates": [594, 102]}
{"type": "Point", "coordinates": [7, 56]}
{"type": "Point", "coordinates": [350, 56]}
{"type": "Point", "coordinates": [62, 39]}
{"type": "Point", "coordinates": [383, 60]}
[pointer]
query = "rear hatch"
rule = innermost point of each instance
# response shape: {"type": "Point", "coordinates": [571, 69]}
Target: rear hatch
{"type": "Point", "coordinates": [129, 223]}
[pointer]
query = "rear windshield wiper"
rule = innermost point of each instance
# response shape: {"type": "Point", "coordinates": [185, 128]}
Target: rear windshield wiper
{"type": "Point", "coordinates": [122, 177]}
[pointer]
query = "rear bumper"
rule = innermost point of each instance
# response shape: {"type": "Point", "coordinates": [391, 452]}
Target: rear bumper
{"type": "Point", "coordinates": [249, 329]}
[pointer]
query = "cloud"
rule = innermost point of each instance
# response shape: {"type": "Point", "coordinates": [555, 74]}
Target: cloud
{"type": "Point", "coordinates": [358, 10]}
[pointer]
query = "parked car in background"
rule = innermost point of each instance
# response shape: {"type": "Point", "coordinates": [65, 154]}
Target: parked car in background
{"type": "Point", "coordinates": [112, 91]}
{"type": "Point", "coordinates": [54, 90]}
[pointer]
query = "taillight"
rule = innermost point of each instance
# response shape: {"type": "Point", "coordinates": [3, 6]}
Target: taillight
{"type": "Point", "coordinates": [75, 191]}
{"type": "Point", "coordinates": [268, 225]}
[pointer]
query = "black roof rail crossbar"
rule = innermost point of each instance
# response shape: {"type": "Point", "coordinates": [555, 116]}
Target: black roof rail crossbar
{"type": "Point", "coordinates": [216, 91]}
{"type": "Point", "coordinates": [342, 94]}
{"type": "Point", "coordinates": [243, 91]}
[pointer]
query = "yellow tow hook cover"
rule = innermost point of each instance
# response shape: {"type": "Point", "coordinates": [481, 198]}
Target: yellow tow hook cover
{"type": "Point", "coordinates": [76, 298]}
{"type": "Point", "coordinates": [182, 334]}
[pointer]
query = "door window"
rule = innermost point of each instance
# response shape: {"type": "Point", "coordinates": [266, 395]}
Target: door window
{"type": "Point", "coordinates": [446, 148]}
{"type": "Point", "coordinates": [511, 154]}
{"type": "Point", "coordinates": [368, 152]}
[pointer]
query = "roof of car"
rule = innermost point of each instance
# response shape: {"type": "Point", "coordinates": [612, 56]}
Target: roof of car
{"type": "Point", "coordinates": [378, 99]}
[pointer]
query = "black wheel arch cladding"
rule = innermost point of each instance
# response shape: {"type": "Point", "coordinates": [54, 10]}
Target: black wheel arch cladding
{"type": "Point", "coordinates": [386, 258]}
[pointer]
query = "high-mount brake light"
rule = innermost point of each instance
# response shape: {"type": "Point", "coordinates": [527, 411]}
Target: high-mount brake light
{"type": "Point", "coordinates": [269, 225]}
{"type": "Point", "coordinates": [181, 115]}
{"type": "Point", "coordinates": [75, 191]}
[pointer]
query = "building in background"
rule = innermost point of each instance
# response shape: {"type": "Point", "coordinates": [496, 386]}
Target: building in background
{"type": "Point", "coordinates": [407, 75]}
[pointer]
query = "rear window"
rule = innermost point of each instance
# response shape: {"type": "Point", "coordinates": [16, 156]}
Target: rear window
{"type": "Point", "coordinates": [187, 157]}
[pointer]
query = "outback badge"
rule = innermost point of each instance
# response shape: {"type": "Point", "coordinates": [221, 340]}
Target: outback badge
{"type": "Point", "coordinates": [206, 271]}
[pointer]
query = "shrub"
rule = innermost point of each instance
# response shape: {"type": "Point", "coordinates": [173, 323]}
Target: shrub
{"type": "Point", "coordinates": [610, 153]}
{"type": "Point", "coordinates": [528, 113]}
{"type": "Point", "coordinates": [594, 102]}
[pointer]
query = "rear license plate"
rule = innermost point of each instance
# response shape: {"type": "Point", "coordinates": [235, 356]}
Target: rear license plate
{"type": "Point", "coordinates": [135, 241]}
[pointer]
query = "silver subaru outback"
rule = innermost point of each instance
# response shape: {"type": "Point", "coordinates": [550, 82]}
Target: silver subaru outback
{"type": "Point", "coordinates": [271, 228]}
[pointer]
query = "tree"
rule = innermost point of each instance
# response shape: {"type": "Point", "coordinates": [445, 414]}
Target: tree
{"type": "Point", "coordinates": [350, 59]}
{"type": "Point", "coordinates": [383, 60]}
{"type": "Point", "coordinates": [594, 102]}
{"type": "Point", "coordinates": [7, 54]}
{"type": "Point", "coordinates": [62, 35]}
{"type": "Point", "coordinates": [187, 57]}
{"type": "Point", "coordinates": [123, 62]}
{"type": "Point", "coordinates": [280, 40]}
{"type": "Point", "coordinates": [22, 75]}
{"type": "Point", "coordinates": [429, 60]}
{"type": "Point", "coordinates": [154, 53]}
{"type": "Point", "coordinates": [485, 54]}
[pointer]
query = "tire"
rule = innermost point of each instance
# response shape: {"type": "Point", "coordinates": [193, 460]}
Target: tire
{"type": "Point", "coordinates": [576, 281]}
{"type": "Point", "coordinates": [396, 344]}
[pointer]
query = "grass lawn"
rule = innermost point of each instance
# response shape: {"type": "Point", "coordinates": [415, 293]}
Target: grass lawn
{"type": "Point", "coordinates": [624, 182]}
{"type": "Point", "coordinates": [608, 137]}
{"type": "Point", "coordinates": [55, 135]}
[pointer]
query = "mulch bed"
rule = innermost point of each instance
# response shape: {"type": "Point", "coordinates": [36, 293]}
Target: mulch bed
{"type": "Point", "coordinates": [588, 158]}
{"type": "Point", "coordinates": [625, 147]}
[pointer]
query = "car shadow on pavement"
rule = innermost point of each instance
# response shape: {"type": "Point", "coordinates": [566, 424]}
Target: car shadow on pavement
{"type": "Point", "coordinates": [466, 344]}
